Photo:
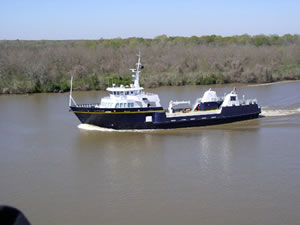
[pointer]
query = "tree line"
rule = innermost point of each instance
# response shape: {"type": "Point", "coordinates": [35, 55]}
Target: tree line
{"type": "Point", "coordinates": [45, 66]}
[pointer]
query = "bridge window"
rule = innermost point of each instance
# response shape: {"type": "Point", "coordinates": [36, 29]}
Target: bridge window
{"type": "Point", "coordinates": [232, 98]}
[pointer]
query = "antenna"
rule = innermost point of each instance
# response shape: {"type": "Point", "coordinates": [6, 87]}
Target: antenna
{"type": "Point", "coordinates": [71, 99]}
{"type": "Point", "coordinates": [137, 71]}
{"type": "Point", "coordinates": [138, 65]}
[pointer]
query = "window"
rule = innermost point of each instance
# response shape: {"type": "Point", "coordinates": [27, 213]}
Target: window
{"type": "Point", "coordinates": [126, 93]}
{"type": "Point", "coordinates": [232, 98]}
{"type": "Point", "coordinates": [117, 105]}
{"type": "Point", "coordinates": [121, 105]}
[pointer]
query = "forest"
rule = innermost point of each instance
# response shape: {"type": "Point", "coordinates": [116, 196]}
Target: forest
{"type": "Point", "coordinates": [46, 65]}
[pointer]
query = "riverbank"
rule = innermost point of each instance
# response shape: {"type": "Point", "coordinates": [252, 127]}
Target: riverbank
{"type": "Point", "coordinates": [28, 87]}
{"type": "Point", "coordinates": [46, 66]}
{"type": "Point", "coordinates": [218, 84]}
{"type": "Point", "coordinates": [101, 82]}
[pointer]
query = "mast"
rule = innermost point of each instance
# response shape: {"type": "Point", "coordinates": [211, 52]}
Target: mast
{"type": "Point", "coordinates": [137, 71]}
{"type": "Point", "coordinates": [71, 99]}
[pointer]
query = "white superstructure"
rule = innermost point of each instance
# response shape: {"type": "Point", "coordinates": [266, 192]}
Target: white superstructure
{"type": "Point", "coordinates": [209, 96]}
{"type": "Point", "coordinates": [231, 99]}
{"type": "Point", "coordinates": [131, 96]}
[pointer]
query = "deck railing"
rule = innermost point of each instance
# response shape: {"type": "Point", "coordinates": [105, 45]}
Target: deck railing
{"type": "Point", "coordinates": [248, 101]}
{"type": "Point", "coordinates": [92, 105]}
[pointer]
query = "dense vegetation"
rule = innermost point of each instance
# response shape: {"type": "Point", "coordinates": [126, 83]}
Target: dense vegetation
{"type": "Point", "coordinates": [45, 66]}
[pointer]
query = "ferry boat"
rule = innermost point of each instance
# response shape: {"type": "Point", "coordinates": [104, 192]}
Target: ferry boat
{"type": "Point", "coordinates": [130, 107]}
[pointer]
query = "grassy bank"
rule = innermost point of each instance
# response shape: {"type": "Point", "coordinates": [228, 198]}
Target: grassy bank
{"type": "Point", "coordinates": [45, 66]}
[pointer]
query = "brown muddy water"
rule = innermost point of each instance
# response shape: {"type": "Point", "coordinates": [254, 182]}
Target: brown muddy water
{"type": "Point", "coordinates": [241, 173]}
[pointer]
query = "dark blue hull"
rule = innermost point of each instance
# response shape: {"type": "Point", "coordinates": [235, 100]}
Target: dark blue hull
{"type": "Point", "coordinates": [155, 118]}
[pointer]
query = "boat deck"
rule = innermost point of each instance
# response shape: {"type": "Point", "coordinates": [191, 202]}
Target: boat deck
{"type": "Point", "coordinates": [193, 113]}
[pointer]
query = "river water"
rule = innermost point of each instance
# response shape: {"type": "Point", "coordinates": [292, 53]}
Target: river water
{"type": "Point", "coordinates": [241, 173]}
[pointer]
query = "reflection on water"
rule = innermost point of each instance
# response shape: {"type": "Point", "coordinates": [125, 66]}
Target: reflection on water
{"type": "Point", "coordinates": [240, 173]}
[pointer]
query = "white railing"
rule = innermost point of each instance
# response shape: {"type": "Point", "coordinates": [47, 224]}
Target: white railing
{"type": "Point", "coordinates": [147, 93]}
{"type": "Point", "coordinates": [92, 105]}
{"type": "Point", "coordinates": [248, 101]}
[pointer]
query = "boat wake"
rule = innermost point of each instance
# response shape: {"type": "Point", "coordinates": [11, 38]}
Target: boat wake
{"type": "Point", "coordinates": [265, 111]}
{"type": "Point", "coordinates": [84, 126]}
{"type": "Point", "coordinates": [89, 127]}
